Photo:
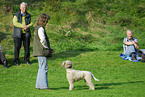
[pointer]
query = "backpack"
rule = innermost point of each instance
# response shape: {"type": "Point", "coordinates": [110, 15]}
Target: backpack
{"type": "Point", "coordinates": [141, 54]}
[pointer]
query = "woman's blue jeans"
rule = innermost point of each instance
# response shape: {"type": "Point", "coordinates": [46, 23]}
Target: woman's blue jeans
{"type": "Point", "coordinates": [42, 82]}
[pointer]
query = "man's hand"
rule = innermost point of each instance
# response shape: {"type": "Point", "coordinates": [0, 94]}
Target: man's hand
{"type": "Point", "coordinates": [26, 27]}
{"type": "Point", "coordinates": [136, 46]}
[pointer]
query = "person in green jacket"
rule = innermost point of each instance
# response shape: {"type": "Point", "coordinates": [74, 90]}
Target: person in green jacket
{"type": "Point", "coordinates": [41, 42]}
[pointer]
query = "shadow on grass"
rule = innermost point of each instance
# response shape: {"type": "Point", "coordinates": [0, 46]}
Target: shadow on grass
{"type": "Point", "coordinates": [79, 88]}
{"type": "Point", "coordinates": [21, 61]}
{"type": "Point", "coordinates": [67, 54]}
{"type": "Point", "coordinates": [87, 87]}
{"type": "Point", "coordinates": [65, 88]}
{"type": "Point", "coordinates": [106, 85]}
{"type": "Point", "coordinates": [3, 36]}
{"type": "Point", "coordinates": [63, 55]}
{"type": "Point", "coordinates": [99, 86]}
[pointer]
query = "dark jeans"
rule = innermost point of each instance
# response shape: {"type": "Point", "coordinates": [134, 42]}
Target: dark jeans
{"type": "Point", "coordinates": [2, 57]}
{"type": "Point", "coordinates": [18, 44]}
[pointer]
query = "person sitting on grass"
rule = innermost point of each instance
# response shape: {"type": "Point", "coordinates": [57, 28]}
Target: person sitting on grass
{"type": "Point", "coordinates": [2, 58]}
{"type": "Point", "coordinates": [130, 45]}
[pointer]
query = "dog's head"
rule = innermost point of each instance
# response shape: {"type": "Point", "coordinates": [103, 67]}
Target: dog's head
{"type": "Point", "coordinates": [67, 64]}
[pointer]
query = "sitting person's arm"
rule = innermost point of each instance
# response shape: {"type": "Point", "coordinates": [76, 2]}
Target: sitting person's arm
{"type": "Point", "coordinates": [135, 43]}
{"type": "Point", "coordinates": [129, 42]}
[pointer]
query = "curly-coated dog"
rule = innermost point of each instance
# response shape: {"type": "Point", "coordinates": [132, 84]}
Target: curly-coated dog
{"type": "Point", "coordinates": [75, 75]}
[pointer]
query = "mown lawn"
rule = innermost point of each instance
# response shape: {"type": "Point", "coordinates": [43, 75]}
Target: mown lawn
{"type": "Point", "coordinates": [118, 78]}
{"type": "Point", "coordinates": [97, 26]}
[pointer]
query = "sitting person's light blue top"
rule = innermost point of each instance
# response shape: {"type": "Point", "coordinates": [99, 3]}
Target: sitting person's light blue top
{"type": "Point", "coordinates": [130, 45]}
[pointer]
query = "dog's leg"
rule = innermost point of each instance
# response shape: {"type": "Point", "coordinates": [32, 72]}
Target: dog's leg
{"type": "Point", "coordinates": [91, 85]}
{"type": "Point", "coordinates": [89, 82]}
{"type": "Point", "coordinates": [86, 82]}
{"type": "Point", "coordinates": [71, 85]}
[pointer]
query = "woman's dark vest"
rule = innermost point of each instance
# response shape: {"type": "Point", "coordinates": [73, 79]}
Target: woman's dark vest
{"type": "Point", "coordinates": [37, 46]}
{"type": "Point", "coordinates": [18, 31]}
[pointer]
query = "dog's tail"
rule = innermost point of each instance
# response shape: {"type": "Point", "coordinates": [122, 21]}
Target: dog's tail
{"type": "Point", "coordinates": [94, 77]}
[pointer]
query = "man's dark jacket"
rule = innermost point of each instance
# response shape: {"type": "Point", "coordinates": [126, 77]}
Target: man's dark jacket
{"type": "Point", "coordinates": [18, 31]}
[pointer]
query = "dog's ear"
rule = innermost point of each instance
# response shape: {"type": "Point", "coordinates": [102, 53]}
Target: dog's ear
{"type": "Point", "coordinates": [63, 63]}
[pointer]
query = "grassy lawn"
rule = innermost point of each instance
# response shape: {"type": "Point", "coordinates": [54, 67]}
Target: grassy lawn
{"type": "Point", "coordinates": [94, 43]}
{"type": "Point", "coordinates": [118, 78]}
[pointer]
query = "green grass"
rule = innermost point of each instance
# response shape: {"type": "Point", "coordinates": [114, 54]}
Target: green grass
{"type": "Point", "coordinates": [118, 78]}
{"type": "Point", "coordinates": [94, 45]}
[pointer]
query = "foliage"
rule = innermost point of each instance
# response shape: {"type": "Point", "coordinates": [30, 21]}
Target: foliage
{"type": "Point", "coordinates": [92, 24]}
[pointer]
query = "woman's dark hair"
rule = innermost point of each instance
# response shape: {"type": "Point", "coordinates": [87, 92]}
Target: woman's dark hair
{"type": "Point", "coordinates": [42, 20]}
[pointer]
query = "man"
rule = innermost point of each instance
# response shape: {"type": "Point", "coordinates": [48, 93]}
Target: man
{"type": "Point", "coordinates": [130, 45]}
{"type": "Point", "coordinates": [2, 58]}
{"type": "Point", "coordinates": [22, 23]}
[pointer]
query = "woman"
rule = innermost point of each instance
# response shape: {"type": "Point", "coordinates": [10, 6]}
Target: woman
{"type": "Point", "coordinates": [40, 42]}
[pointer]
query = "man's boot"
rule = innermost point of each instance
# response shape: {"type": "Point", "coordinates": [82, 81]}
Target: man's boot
{"type": "Point", "coordinates": [5, 65]}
